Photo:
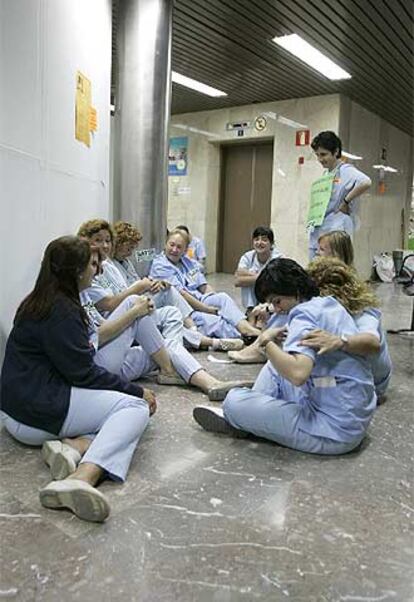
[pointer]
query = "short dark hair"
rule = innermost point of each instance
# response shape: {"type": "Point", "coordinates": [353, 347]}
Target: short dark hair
{"type": "Point", "coordinates": [185, 228]}
{"type": "Point", "coordinates": [264, 231]}
{"type": "Point", "coordinates": [328, 140]}
{"type": "Point", "coordinates": [284, 276]}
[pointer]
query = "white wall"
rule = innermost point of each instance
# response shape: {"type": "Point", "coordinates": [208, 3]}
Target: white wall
{"type": "Point", "coordinates": [49, 182]}
{"type": "Point", "coordinates": [198, 205]}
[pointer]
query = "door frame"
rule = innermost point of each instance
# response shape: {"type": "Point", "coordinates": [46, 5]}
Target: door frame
{"type": "Point", "coordinates": [220, 213]}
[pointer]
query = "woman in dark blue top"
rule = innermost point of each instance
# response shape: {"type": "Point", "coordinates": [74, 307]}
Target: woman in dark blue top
{"type": "Point", "coordinates": [88, 420]}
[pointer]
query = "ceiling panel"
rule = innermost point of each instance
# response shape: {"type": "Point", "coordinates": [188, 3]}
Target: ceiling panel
{"type": "Point", "coordinates": [227, 44]}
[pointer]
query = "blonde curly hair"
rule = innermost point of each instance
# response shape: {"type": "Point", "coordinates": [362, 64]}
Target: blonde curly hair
{"type": "Point", "coordinates": [333, 277]}
{"type": "Point", "coordinates": [93, 226]}
{"type": "Point", "coordinates": [125, 232]}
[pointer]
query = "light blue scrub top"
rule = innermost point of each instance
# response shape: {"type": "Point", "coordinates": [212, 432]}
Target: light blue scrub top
{"type": "Point", "coordinates": [186, 275]}
{"type": "Point", "coordinates": [370, 321]}
{"type": "Point", "coordinates": [127, 269]}
{"type": "Point", "coordinates": [346, 178]}
{"type": "Point", "coordinates": [338, 399]}
{"type": "Point", "coordinates": [111, 282]}
{"type": "Point", "coordinates": [249, 261]}
{"type": "Point", "coordinates": [197, 249]}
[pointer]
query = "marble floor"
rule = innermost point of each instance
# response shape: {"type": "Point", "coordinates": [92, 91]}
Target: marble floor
{"type": "Point", "coordinates": [204, 517]}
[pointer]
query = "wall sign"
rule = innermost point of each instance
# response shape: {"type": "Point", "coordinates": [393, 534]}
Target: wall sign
{"type": "Point", "coordinates": [238, 125]}
{"type": "Point", "coordinates": [302, 137]}
{"type": "Point", "coordinates": [260, 123]}
{"type": "Point", "coordinates": [178, 156]}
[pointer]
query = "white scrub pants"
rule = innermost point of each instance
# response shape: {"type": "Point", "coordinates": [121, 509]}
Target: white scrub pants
{"type": "Point", "coordinates": [114, 421]}
{"type": "Point", "coordinates": [130, 362]}
{"type": "Point", "coordinates": [171, 297]}
{"type": "Point", "coordinates": [119, 356]}
{"type": "Point", "coordinates": [257, 411]}
{"type": "Point", "coordinates": [333, 221]}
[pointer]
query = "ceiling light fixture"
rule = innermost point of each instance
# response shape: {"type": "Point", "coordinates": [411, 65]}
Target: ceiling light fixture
{"type": "Point", "coordinates": [311, 56]}
{"type": "Point", "coordinates": [386, 168]}
{"type": "Point", "coordinates": [351, 156]}
{"type": "Point", "coordinates": [285, 120]}
{"type": "Point", "coordinates": [183, 80]}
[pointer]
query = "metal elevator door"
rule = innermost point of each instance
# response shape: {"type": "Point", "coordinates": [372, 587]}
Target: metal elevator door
{"type": "Point", "coordinates": [246, 191]}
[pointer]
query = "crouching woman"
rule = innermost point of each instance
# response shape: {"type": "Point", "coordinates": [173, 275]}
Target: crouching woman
{"type": "Point", "coordinates": [313, 403]}
{"type": "Point", "coordinates": [88, 420]}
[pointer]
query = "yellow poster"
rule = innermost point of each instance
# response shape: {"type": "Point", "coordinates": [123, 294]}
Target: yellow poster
{"type": "Point", "coordinates": [93, 120]}
{"type": "Point", "coordinates": [83, 109]}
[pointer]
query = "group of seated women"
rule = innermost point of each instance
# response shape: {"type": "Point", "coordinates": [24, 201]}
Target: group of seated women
{"type": "Point", "coordinates": [91, 327]}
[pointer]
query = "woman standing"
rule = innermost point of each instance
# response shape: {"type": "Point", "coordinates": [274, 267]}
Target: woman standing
{"type": "Point", "coordinates": [332, 197]}
{"type": "Point", "coordinates": [88, 420]}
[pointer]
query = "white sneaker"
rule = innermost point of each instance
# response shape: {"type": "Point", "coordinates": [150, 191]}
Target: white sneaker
{"type": "Point", "coordinates": [212, 420]}
{"type": "Point", "coordinates": [78, 496]}
{"type": "Point", "coordinates": [227, 345]}
{"type": "Point", "coordinates": [61, 458]}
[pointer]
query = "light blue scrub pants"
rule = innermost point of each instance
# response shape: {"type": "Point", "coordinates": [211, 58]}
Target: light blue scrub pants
{"type": "Point", "coordinates": [333, 221]}
{"type": "Point", "coordinates": [130, 362]}
{"type": "Point", "coordinates": [257, 411]}
{"type": "Point", "coordinates": [224, 324]}
{"type": "Point", "coordinates": [114, 421]}
{"type": "Point", "coordinates": [172, 298]}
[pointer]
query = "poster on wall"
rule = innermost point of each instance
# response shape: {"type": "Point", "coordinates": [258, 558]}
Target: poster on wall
{"type": "Point", "coordinates": [178, 156]}
{"type": "Point", "coordinates": [82, 108]}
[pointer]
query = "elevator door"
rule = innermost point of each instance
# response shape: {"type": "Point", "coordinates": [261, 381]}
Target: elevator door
{"type": "Point", "coordinates": [245, 198]}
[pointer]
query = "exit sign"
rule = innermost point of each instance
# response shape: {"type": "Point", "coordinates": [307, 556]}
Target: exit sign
{"type": "Point", "coordinates": [302, 137]}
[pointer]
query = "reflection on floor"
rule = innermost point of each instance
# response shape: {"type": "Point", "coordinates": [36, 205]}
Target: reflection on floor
{"type": "Point", "coordinates": [207, 518]}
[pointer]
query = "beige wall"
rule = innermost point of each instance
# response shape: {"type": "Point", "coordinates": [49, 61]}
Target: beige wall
{"type": "Point", "coordinates": [194, 199]}
{"type": "Point", "coordinates": [381, 225]}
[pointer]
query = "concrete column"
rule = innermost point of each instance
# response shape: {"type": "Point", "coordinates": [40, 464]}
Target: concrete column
{"type": "Point", "coordinates": [142, 116]}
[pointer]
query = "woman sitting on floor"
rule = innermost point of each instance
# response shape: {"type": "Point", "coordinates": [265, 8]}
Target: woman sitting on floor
{"type": "Point", "coordinates": [215, 314]}
{"type": "Point", "coordinates": [115, 340]}
{"type": "Point", "coordinates": [335, 278]}
{"type": "Point", "coordinates": [126, 242]}
{"type": "Point", "coordinates": [331, 244]}
{"type": "Point", "coordinates": [317, 403]}
{"type": "Point", "coordinates": [88, 420]}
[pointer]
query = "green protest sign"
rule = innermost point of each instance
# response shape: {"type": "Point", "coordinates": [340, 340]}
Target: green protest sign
{"type": "Point", "coordinates": [321, 191]}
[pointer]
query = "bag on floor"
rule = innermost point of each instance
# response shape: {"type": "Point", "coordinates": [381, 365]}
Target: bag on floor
{"type": "Point", "coordinates": [384, 266]}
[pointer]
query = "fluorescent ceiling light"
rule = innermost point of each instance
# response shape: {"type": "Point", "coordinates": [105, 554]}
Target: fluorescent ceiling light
{"type": "Point", "coordinates": [351, 156]}
{"type": "Point", "coordinates": [285, 120]}
{"type": "Point", "coordinates": [386, 168]}
{"type": "Point", "coordinates": [195, 85]}
{"type": "Point", "coordinates": [311, 56]}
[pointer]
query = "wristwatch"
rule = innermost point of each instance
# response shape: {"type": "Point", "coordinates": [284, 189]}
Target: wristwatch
{"type": "Point", "coordinates": [344, 339]}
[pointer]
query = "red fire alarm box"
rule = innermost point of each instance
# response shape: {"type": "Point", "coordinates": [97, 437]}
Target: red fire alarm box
{"type": "Point", "coordinates": [302, 137]}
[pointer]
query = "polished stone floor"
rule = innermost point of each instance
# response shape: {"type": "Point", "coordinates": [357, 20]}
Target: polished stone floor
{"type": "Point", "coordinates": [204, 517]}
